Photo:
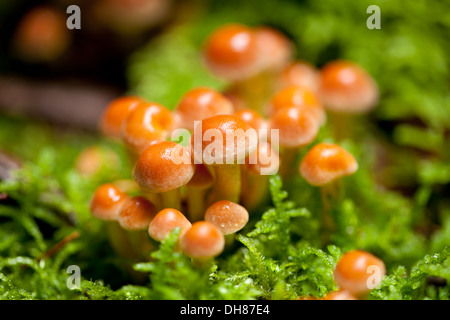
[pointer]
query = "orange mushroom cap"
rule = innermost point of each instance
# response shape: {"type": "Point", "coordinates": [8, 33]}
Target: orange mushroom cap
{"type": "Point", "coordinates": [92, 159]}
{"type": "Point", "coordinates": [107, 202]}
{"type": "Point", "coordinates": [200, 103]}
{"type": "Point", "coordinates": [229, 217]}
{"type": "Point", "coordinates": [346, 87]}
{"type": "Point", "coordinates": [165, 221]}
{"type": "Point", "coordinates": [115, 114]}
{"type": "Point", "coordinates": [225, 139]}
{"type": "Point", "coordinates": [146, 124]}
{"type": "Point", "coordinates": [276, 49]}
{"type": "Point", "coordinates": [136, 213]}
{"type": "Point", "coordinates": [265, 160]}
{"type": "Point", "coordinates": [326, 162]}
{"type": "Point", "coordinates": [42, 35]}
{"type": "Point", "coordinates": [203, 241]}
{"type": "Point", "coordinates": [356, 270]}
{"type": "Point", "coordinates": [232, 52]}
{"type": "Point", "coordinates": [296, 126]}
{"type": "Point", "coordinates": [299, 73]}
{"type": "Point", "coordinates": [162, 167]}
{"type": "Point", "coordinates": [254, 120]}
{"type": "Point", "coordinates": [298, 97]}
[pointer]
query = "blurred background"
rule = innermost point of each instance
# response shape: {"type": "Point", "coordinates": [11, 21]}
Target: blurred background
{"type": "Point", "coordinates": [55, 82]}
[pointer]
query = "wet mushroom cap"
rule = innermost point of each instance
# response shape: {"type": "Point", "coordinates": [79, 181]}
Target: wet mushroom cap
{"type": "Point", "coordinates": [299, 97]}
{"type": "Point", "coordinates": [232, 52]}
{"type": "Point", "coordinates": [162, 167]}
{"type": "Point", "coordinates": [346, 87]}
{"type": "Point", "coordinates": [276, 48]}
{"type": "Point", "coordinates": [355, 270]}
{"type": "Point", "coordinates": [115, 114]}
{"type": "Point", "coordinates": [203, 241]}
{"type": "Point", "coordinates": [229, 217]}
{"type": "Point", "coordinates": [224, 139]}
{"type": "Point", "coordinates": [107, 202]}
{"type": "Point", "coordinates": [148, 123]}
{"type": "Point", "coordinates": [167, 220]}
{"type": "Point", "coordinates": [296, 127]}
{"type": "Point", "coordinates": [200, 103]}
{"type": "Point", "coordinates": [326, 162]}
{"type": "Point", "coordinates": [136, 213]}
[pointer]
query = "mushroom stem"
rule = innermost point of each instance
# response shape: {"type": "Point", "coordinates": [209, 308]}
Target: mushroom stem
{"type": "Point", "coordinates": [288, 157]}
{"type": "Point", "coordinates": [329, 194]}
{"type": "Point", "coordinates": [254, 189]}
{"type": "Point", "coordinates": [342, 124]}
{"type": "Point", "coordinates": [196, 205]}
{"type": "Point", "coordinates": [227, 184]}
{"type": "Point", "coordinates": [256, 91]}
{"type": "Point", "coordinates": [171, 199]}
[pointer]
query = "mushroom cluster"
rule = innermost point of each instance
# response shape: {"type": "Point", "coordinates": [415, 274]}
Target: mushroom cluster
{"type": "Point", "coordinates": [204, 166]}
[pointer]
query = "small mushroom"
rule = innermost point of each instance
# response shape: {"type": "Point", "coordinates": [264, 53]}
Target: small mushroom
{"type": "Point", "coordinates": [93, 159]}
{"type": "Point", "coordinates": [232, 52]}
{"type": "Point", "coordinates": [299, 73]}
{"type": "Point", "coordinates": [224, 143]}
{"type": "Point", "coordinates": [358, 272]}
{"type": "Point", "coordinates": [255, 120]}
{"type": "Point", "coordinates": [163, 168]}
{"type": "Point", "coordinates": [200, 103]}
{"type": "Point", "coordinates": [107, 202]}
{"type": "Point", "coordinates": [276, 48]}
{"type": "Point", "coordinates": [136, 213]}
{"type": "Point", "coordinates": [229, 217]}
{"type": "Point", "coordinates": [148, 123]}
{"type": "Point", "coordinates": [115, 114]}
{"type": "Point", "coordinates": [202, 242]}
{"type": "Point", "coordinates": [165, 222]}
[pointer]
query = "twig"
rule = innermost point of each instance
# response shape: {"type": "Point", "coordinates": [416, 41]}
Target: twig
{"type": "Point", "coordinates": [57, 247]}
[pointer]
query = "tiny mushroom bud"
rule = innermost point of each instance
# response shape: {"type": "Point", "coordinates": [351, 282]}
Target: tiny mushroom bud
{"type": "Point", "coordinates": [107, 202]}
{"type": "Point", "coordinates": [200, 103]}
{"type": "Point", "coordinates": [136, 213]}
{"type": "Point", "coordinates": [203, 241]}
{"type": "Point", "coordinates": [163, 168]}
{"type": "Point", "coordinates": [276, 49]}
{"type": "Point", "coordinates": [115, 114]}
{"type": "Point", "coordinates": [232, 142]}
{"type": "Point", "coordinates": [299, 73]}
{"type": "Point", "coordinates": [232, 52]}
{"type": "Point", "coordinates": [165, 221]}
{"type": "Point", "coordinates": [358, 272]}
{"type": "Point", "coordinates": [229, 217]}
{"type": "Point", "coordinates": [299, 97]}
{"type": "Point", "coordinates": [146, 124]}
{"type": "Point", "coordinates": [93, 159]}
{"type": "Point", "coordinates": [345, 87]}
{"type": "Point", "coordinates": [326, 162]}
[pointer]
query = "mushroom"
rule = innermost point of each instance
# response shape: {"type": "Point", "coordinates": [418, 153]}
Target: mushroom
{"type": "Point", "coordinates": [93, 159]}
{"type": "Point", "coordinates": [202, 242]}
{"type": "Point", "coordinates": [200, 103]}
{"type": "Point", "coordinates": [136, 213]}
{"type": "Point", "coordinates": [229, 217]}
{"type": "Point", "coordinates": [299, 73]}
{"type": "Point", "coordinates": [107, 202]}
{"type": "Point", "coordinates": [259, 165]}
{"type": "Point", "coordinates": [232, 52]}
{"type": "Point", "coordinates": [276, 49]}
{"type": "Point", "coordinates": [255, 120]}
{"type": "Point", "coordinates": [358, 272]}
{"type": "Point", "coordinates": [196, 190]}
{"type": "Point", "coordinates": [232, 141]}
{"type": "Point", "coordinates": [346, 89]}
{"type": "Point", "coordinates": [299, 97]}
{"type": "Point", "coordinates": [339, 295]}
{"type": "Point", "coordinates": [296, 127]}
{"type": "Point", "coordinates": [322, 166]}
{"type": "Point", "coordinates": [115, 114]}
{"type": "Point", "coordinates": [42, 35]}
{"type": "Point", "coordinates": [148, 123]}
{"type": "Point", "coordinates": [165, 222]}
{"type": "Point", "coordinates": [163, 168]}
